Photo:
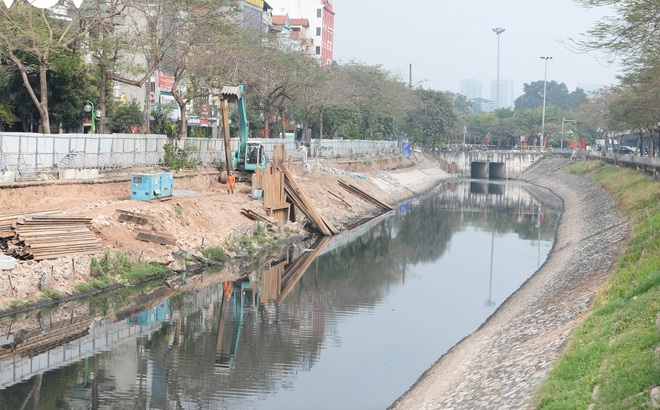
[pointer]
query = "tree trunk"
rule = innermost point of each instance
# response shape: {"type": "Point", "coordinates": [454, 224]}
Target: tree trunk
{"type": "Point", "coordinates": [266, 124]}
{"type": "Point", "coordinates": [103, 101]}
{"type": "Point", "coordinates": [42, 106]}
{"type": "Point", "coordinates": [43, 89]}
{"type": "Point", "coordinates": [321, 123]}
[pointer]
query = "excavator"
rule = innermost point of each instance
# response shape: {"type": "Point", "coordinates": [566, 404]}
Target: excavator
{"type": "Point", "coordinates": [250, 154]}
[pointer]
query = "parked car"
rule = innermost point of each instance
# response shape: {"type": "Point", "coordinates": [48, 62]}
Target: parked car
{"type": "Point", "coordinates": [624, 149]}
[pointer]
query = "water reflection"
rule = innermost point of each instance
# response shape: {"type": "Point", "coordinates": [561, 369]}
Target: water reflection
{"type": "Point", "coordinates": [346, 322]}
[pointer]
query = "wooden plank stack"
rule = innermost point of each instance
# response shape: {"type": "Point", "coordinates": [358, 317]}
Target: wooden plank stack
{"type": "Point", "coordinates": [300, 200]}
{"type": "Point", "coordinates": [272, 182]}
{"type": "Point", "coordinates": [364, 196]}
{"type": "Point", "coordinates": [46, 235]}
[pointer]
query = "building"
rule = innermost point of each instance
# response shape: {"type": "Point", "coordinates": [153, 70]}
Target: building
{"type": "Point", "coordinates": [482, 105]}
{"type": "Point", "coordinates": [471, 88]}
{"type": "Point", "coordinates": [505, 96]}
{"type": "Point", "coordinates": [314, 25]}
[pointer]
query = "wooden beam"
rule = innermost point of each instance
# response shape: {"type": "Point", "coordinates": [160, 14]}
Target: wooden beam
{"type": "Point", "coordinates": [301, 201]}
{"type": "Point", "coordinates": [364, 196]}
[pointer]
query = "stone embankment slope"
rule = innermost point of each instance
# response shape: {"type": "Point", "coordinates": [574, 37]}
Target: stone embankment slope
{"type": "Point", "coordinates": [502, 364]}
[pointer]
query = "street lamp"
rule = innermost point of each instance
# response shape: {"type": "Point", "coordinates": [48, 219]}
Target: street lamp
{"type": "Point", "coordinates": [498, 31]}
{"type": "Point", "coordinates": [563, 120]}
{"type": "Point", "coordinates": [545, 84]}
{"type": "Point", "coordinates": [95, 114]}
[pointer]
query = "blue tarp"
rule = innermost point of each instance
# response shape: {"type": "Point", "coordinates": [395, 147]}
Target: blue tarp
{"type": "Point", "coordinates": [405, 148]}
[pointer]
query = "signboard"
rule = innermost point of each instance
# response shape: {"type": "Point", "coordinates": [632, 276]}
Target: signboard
{"type": "Point", "coordinates": [165, 81]}
{"type": "Point", "coordinates": [258, 3]}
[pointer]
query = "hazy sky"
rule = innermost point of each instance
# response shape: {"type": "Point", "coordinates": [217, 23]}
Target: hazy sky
{"type": "Point", "coordinates": [447, 41]}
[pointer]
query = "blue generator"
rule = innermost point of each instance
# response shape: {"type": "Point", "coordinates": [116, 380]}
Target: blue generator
{"type": "Point", "coordinates": [146, 187]}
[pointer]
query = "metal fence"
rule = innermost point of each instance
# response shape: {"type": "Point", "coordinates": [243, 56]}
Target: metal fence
{"type": "Point", "coordinates": [27, 153]}
{"type": "Point", "coordinates": [30, 153]}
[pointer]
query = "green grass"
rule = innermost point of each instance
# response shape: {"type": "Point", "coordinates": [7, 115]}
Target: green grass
{"type": "Point", "coordinates": [614, 348]}
{"type": "Point", "coordinates": [16, 303]}
{"type": "Point", "coordinates": [112, 268]}
{"type": "Point", "coordinates": [214, 253]}
{"type": "Point", "coordinates": [51, 293]}
{"type": "Point", "coordinates": [145, 271]}
{"type": "Point", "coordinates": [259, 239]}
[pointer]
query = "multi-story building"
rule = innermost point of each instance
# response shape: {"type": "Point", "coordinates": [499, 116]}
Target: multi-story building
{"type": "Point", "coordinates": [471, 88]}
{"type": "Point", "coordinates": [320, 19]}
{"type": "Point", "coordinates": [505, 97]}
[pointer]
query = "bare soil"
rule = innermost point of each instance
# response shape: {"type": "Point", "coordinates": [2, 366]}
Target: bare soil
{"type": "Point", "coordinates": [200, 213]}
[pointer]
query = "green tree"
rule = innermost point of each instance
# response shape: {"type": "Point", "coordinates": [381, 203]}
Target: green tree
{"type": "Point", "coordinates": [556, 94]}
{"type": "Point", "coordinates": [344, 121]}
{"type": "Point", "coordinates": [432, 119]}
{"type": "Point", "coordinates": [29, 37]}
{"type": "Point", "coordinates": [125, 116]}
{"type": "Point", "coordinates": [70, 84]}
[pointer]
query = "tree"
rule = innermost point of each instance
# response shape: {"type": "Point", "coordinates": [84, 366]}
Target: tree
{"type": "Point", "coordinates": [70, 84]}
{"type": "Point", "coordinates": [28, 39]}
{"type": "Point", "coordinates": [6, 107]}
{"type": "Point", "coordinates": [556, 94]}
{"type": "Point", "coordinates": [202, 30]}
{"type": "Point", "coordinates": [344, 120]}
{"type": "Point", "coordinates": [125, 116]}
{"type": "Point", "coordinates": [633, 32]}
{"type": "Point", "coordinates": [432, 118]}
{"type": "Point", "coordinates": [381, 97]}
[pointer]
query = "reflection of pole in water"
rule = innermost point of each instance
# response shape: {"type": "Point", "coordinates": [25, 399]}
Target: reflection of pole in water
{"type": "Point", "coordinates": [490, 301]}
{"type": "Point", "coordinates": [538, 221]}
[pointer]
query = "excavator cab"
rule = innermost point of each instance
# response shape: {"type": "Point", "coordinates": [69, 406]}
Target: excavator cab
{"type": "Point", "coordinates": [255, 156]}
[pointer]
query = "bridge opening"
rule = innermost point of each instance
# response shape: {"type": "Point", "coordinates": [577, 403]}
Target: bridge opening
{"type": "Point", "coordinates": [479, 170]}
{"type": "Point", "coordinates": [497, 170]}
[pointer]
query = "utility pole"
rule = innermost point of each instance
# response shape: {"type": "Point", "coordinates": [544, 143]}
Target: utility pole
{"type": "Point", "coordinates": [545, 84]}
{"type": "Point", "coordinates": [498, 31]}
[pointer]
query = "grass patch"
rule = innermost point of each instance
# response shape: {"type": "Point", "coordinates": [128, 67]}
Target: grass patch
{"type": "Point", "coordinates": [255, 241]}
{"type": "Point", "coordinates": [16, 303]}
{"type": "Point", "coordinates": [144, 271]}
{"type": "Point", "coordinates": [614, 348]}
{"type": "Point", "coordinates": [51, 293]}
{"type": "Point", "coordinates": [214, 253]}
{"type": "Point", "coordinates": [110, 268]}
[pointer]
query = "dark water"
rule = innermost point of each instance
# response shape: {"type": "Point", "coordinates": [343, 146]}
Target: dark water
{"type": "Point", "coordinates": [350, 323]}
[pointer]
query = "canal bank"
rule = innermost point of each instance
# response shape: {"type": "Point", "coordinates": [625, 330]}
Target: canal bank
{"type": "Point", "coordinates": [503, 363]}
{"type": "Point", "coordinates": [199, 215]}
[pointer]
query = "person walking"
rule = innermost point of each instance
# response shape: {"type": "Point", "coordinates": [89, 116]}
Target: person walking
{"type": "Point", "coordinates": [231, 181]}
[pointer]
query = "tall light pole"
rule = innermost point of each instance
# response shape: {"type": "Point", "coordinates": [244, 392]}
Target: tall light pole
{"type": "Point", "coordinates": [498, 31]}
{"type": "Point", "coordinates": [545, 85]}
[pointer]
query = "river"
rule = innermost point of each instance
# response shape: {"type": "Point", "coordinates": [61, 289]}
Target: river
{"type": "Point", "coordinates": [348, 323]}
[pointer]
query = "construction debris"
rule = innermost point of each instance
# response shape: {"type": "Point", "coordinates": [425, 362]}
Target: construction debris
{"type": "Point", "coordinates": [300, 200]}
{"type": "Point", "coordinates": [364, 196]}
{"type": "Point", "coordinates": [256, 216]}
{"type": "Point", "coordinates": [133, 217]}
{"type": "Point", "coordinates": [155, 236]}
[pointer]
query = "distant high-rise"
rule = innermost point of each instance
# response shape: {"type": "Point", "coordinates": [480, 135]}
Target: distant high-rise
{"type": "Point", "coordinates": [505, 94]}
{"type": "Point", "coordinates": [471, 88]}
